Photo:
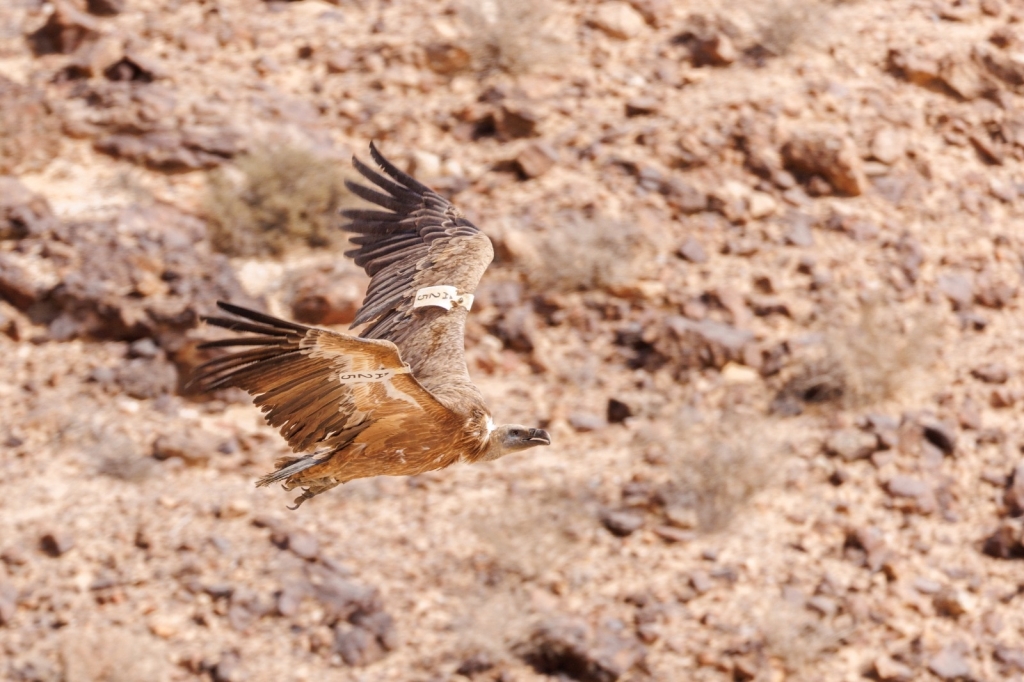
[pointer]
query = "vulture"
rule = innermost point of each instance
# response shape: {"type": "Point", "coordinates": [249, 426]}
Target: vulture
{"type": "Point", "coordinates": [397, 399]}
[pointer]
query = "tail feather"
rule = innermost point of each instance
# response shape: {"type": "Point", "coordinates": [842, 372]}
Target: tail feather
{"type": "Point", "coordinates": [289, 466]}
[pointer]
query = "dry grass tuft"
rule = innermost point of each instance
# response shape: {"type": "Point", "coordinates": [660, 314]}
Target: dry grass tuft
{"type": "Point", "coordinates": [512, 36]}
{"type": "Point", "coordinates": [883, 354]}
{"type": "Point", "coordinates": [587, 254]}
{"type": "Point", "coordinates": [276, 197]}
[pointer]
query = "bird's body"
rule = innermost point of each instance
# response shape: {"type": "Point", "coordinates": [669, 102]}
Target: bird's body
{"type": "Point", "coordinates": [398, 400]}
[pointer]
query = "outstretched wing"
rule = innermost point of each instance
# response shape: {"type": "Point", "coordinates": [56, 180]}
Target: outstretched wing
{"type": "Point", "coordinates": [419, 241]}
{"type": "Point", "coordinates": [320, 388]}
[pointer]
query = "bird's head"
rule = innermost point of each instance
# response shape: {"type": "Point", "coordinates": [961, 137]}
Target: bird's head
{"type": "Point", "coordinates": [513, 438]}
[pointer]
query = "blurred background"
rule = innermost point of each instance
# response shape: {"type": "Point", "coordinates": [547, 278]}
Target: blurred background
{"type": "Point", "coordinates": [758, 272]}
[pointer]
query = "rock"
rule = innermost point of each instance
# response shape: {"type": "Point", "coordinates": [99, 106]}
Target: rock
{"type": "Point", "coordinates": [105, 8]}
{"type": "Point", "coordinates": [618, 411]}
{"type": "Point", "coordinates": [22, 212]}
{"type": "Point", "coordinates": [889, 670]}
{"type": "Point", "coordinates": [907, 486]}
{"type": "Point", "coordinates": [872, 541]}
{"type": "Point", "coordinates": [951, 602]}
{"type": "Point", "coordinates": [642, 106]}
{"type": "Point", "coordinates": [958, 288]}
{"type": "Point", "coordinates": [826, 606]}
{"type": "Point", "coordinates": [1013, 497]}
{"type": "Point", "coordinates": [57, 542]}
{"type": "Point", "coordinates": [761, 205]}
{"type": "Point", "coordinates": [479, 662]}
{"type": "Point", "coordinates": [851, 444]}
{"type": "Point", "coordinates": [140, 378]}
{"type": "Point", "coordinates": [8, 603]}
{"type": "Point", "coordinates": [992, 373]}
{"type": "Point", "coordinates": [707, 42]}
{"type": "Point", "coordinates": [228, 669]}
{"type": "Point", "coordinates": [693, 344]}
{"type": "Point", "coordinates": [94, 58]}
{"type": "Point", "coordinates": [655, 12]}
{"type": "Point", "coordinates": [64, 31]}
{"type": "Point", "coordinates": [443, 58]}
{"type": "Point", "coordinates": [536, 159]}
{"type": "Point", "coordinates": [888, 146]}
{"type": "Point", "coordinates": [158, 275]}
{"type": "Point", "coordinates": [692, 251]}
{"type": "Point", "coordinates": [921, 493]}
{"type": "Point", "coordinates": [321, 298]}
{"type": "Point", "coordinates": [1003, 397]}
{"type": "Point", "coordinates": [356, 646]}
{"type": "Point", "coordinates": [341, 599]}
{"type": "Point", "coordinates": [992, 294]}
{"type": "Point", "coordinates": [191, 446]}
{"type": "Point", "coordinates": [953, 73]}
{"type": "Point", "coordinates": [516, 120]}
{"type": "Point", "coordinates": [586, 421]}
{"type": "Point", "coordinates": [941, 434]}
{"type": "Point", "coordinates": [828, 153]}
{"type": "Point", "coordinates": [700, 582]}
{"type": "Point", "coordinates": [169, 151]}
{"type": "Point", "coordinates": [618, 20]}
{"type": "Point", "coordinates": [568, 648]}
{"type": "Point", "coordinates": [622, 522]}
{"type": "Point", "coordinates": [1009, 656]}
{"type": "Point", "coordinates": [673, 534]}
{"type": "Point", "coordinates": [683, 196]}
{"type": "Point", "coordinates": [798, 229]}
{"type": "Point", "coordinates": [1006, 542]}
{"type": "Point", "coordinates": [303, 545]}
{"type": "Point", "coordinates": [1007, 66]}
{"type": "Point", "coordinates": [950, 664]}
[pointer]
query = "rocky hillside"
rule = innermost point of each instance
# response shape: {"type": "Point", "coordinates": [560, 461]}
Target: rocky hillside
{"type": "Point", "coordinates": [758, 272]}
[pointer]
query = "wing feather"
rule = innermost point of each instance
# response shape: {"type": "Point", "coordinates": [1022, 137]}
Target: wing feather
{"type": "Point", "coordinates": [293, 373]}
{"type": "Point", "coordinates": [421, 240]}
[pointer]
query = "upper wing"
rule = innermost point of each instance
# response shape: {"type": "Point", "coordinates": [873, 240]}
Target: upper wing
{"type": "Point", "coordinates": [421, 240]}
{"type": "Point", "coordinates": [320, 388]}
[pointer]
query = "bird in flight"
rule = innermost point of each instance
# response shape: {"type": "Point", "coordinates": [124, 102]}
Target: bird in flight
{"type": "Point", "coordinates": [396, 400]}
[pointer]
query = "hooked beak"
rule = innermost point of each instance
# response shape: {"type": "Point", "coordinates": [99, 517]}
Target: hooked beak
{"type": "Point", "coordinates": [539, 436]}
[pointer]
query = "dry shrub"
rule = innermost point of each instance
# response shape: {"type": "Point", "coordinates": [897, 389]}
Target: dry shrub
{"type": "Point", "coordinates": [274, 198]}
{"type": "Point", "coordinates": [729, 464]}
{"type": "Point", "coordinates": [883, 354]}
{"type": "Point", "coordinates": [111, 654]}
{"type": "Point", "coordinates": [784, 24]}
{"type": "Point", "coordinates": [29, 131]}
{"type": "Point", "coordinates": [716, 465]}
{"type": "Point", "coordinates": [539, 538]}
{"type": "Point", "coordinates": [796, 637]}
{"type": "Point", "coordinates": [513, 36]}
{"type": "Point", "coordinates": [586, 254]}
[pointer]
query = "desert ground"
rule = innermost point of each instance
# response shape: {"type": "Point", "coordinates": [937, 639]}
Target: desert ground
{"type": "Point", "coordinates": [758, 272]}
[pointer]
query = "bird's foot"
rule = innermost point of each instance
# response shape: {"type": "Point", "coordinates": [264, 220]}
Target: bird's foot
{"type": "Point", "coordinates": [306, 495]}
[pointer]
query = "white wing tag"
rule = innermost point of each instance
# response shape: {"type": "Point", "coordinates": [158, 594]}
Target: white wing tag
{"type": "Point", "coordinates": [368, 376]}
{"type": "Point", "coordinates": [443, 296]}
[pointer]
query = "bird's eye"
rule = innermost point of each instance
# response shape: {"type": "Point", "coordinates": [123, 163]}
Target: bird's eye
{"type": "Point", "coordinates": [515, 432]}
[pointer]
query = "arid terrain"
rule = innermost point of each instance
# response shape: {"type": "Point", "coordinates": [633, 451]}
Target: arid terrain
{"type": "Point", "coordinates": [758, 273]}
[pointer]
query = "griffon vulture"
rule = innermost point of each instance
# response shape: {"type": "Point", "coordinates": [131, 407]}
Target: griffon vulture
{"type": "Point", "coordinates": [397, 400]}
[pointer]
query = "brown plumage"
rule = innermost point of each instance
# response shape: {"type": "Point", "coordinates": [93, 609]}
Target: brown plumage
{"type": "Point", "coordinates": [397, 400]}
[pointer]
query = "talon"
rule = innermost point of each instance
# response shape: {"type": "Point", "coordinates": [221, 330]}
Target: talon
{"type": "Point", "coordinates": [306, 495]}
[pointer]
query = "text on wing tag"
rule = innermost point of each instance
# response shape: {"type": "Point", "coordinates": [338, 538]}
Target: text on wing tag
{"type": "Point", "coordinates": [368, 376]}
{"type": "Point", "coordinates": [443, 296]}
